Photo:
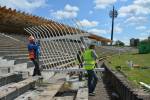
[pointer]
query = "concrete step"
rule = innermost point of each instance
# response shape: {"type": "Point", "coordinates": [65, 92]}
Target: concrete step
{"type": "Point", "coordinates": [13, 50]}
{"type": "Point", "coordinates": [101, 92]}
{"type": "Point", "coordinates": [29, 70]}
{"type": "Point", "coordinates": [3, 53]}
{"type": "Point", "coordinates": [5, 70]}
{"type": "Point", "coordinates": [82, 94]}
{"type": "Point", "coordinates": [50, 91]}
{"type": "Point", "coordinates": [40, 90]}
{"type": "Point", "coordinates": [24, 69]}
{"type": "Point", "coordinates": [20, 67]}
{"type": "Point", "coordinates": [56, 82]}
{"type": "Point", "coordinates": [29, 95]}
{"type": "Point", "coordinates": [14, 56]}
{"type": "Point", "coordinates": [6, 45]}
{"type": "Point", "coordinates": [6, 63]}
{"type": "Point", "coordinates": [15, 68]}
{"type": "Point", "coordinates": [2, 60]}
{"type": "Point", "coordinates": [21, 60]}
{"type": "Point", "coordinates": [11, 91]}
{"type": "Point", "coordinates": [9, 78]}
{"type": "Point", "coordinates": [13, 47]}
{"type": "Point", "coordinates": [6, 66]}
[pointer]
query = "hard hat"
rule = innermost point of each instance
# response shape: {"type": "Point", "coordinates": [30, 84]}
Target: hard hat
{"type": "Point", "coordinates": [31, 38]}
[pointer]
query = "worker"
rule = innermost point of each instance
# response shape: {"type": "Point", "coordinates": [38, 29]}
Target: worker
{"type": "Point", "coordinates": [89, 57]}
{"type": "Point", "coordinates": [33, 48]}
{"type": "Point", "coordinates": [80, 61]}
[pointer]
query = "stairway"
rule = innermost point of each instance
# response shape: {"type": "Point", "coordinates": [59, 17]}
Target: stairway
{"type": "Point", "coordinates": [16, 69]}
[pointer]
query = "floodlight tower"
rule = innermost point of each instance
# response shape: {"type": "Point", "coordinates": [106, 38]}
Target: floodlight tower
{"type": "Point", "coordinates": [113, 14]}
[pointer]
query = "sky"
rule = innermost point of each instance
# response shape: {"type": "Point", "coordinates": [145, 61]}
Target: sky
{"type": "Point", "coordinates": [133, 20]}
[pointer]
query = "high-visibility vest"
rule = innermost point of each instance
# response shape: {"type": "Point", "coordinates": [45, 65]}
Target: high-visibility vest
{"type": "Point", "coordinates": [89, 61]}
{"type": "Point", "coordinates": [31, 54]}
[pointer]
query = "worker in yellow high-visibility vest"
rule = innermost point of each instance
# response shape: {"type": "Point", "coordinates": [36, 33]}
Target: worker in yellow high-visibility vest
{"type": "Point", "coordinates": [89, 57]}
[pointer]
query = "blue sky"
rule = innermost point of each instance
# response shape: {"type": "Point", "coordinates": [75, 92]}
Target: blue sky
{"type": "Point", "coordinates": [93, 15]}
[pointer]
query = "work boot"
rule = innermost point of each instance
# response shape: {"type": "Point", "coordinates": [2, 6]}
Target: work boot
{"type": "Point", "coordinates": [91, 94]}
{"type": "Point", "coordinates": [39, 72]}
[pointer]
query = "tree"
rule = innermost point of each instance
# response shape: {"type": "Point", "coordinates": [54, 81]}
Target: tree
{"type": "Point", "coordinates": [119, 43]}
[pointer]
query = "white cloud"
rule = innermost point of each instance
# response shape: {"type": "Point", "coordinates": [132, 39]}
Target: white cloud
{"type": "Point", "coordinates": [142, 2]}
{"type": "Point", "coordinates": [123, 39]}
{"type": "Point", "coordinates": [26, 5]}
{"type": "Point", "coordinates": [148, 31]}
{"type": "Point", "coordinates": [97, 31]}
{"type": "Point", "coordinates": [140, 28]}
{"type": "Point", "coordinates": [70, 8]}
{"type": "Point", "coordinates": [133, 10]}
{"type": "Point", "coordinates": [118, 29]}
{"type": "Point", "coordinates": [87, 23]}
{"type": "Point", "coordinates": [139, 7]}
{"type": "Point", "coordinates": [143, 36]}
{"type": "Point", "coordinates": [68, 12]}
{"type": "Point", "coordinates": [136, 20]}
{"type": "Point", "coordinates": [102, 4]}
{"type": "Point", "coordinates": [90, 12]}
{"type": "Point", "coordinates": [123, 0]}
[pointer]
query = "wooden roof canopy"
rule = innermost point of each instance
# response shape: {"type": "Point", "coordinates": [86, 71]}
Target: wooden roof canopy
{"type": "Point", "coordinates": [12, 21]}
{"type": "Point", "coordinates": [99, 38]}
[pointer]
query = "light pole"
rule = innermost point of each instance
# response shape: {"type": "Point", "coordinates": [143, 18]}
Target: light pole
{"type": "Point", "coordinates": [113, 14]}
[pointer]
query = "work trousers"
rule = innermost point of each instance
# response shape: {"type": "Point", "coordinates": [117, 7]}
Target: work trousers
{"type": "Point", "coordinates": [92, 80]}
{"type": "Point", "coordinates": [36, 68]}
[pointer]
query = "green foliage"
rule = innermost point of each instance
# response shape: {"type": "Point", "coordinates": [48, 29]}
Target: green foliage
{"type": "Point", "coordinates": [144, 46]}
{"type": "Point", "coordinates": [119, 43]}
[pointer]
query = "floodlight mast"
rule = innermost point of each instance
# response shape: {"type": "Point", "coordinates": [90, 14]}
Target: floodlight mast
{"type": "Point", "coordinates": [113, 14]}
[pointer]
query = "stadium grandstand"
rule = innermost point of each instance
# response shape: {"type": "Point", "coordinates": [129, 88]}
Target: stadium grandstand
{"type": "Point", "coordinates": [16, 69]}
{"type": "Point", "coordinates": [60, 44]}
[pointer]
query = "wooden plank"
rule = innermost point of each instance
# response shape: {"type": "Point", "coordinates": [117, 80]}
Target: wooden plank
{"type": "Point", "coordinates": [82, 94]}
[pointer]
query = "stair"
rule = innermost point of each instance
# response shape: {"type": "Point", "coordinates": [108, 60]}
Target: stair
{"type": "Point", "coordinates": [11, 91]}
{"type": "Point", "coordinates": [9, 78]}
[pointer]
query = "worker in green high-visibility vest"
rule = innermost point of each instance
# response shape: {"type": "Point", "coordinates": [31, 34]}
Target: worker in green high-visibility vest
{"type": "Point", "coordinates": [89, 58]}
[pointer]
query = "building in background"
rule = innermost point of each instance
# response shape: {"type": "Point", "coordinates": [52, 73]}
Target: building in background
{"type": "Point", "coordinates": [134, 42]}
